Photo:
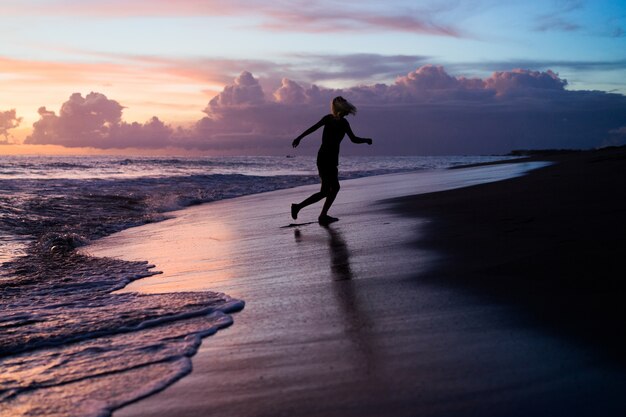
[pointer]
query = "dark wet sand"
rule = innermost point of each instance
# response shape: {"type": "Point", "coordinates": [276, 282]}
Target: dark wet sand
{"type": "Point", "coordinates": [552, 242]}
{"type": "Point", "coordinates": [491, 300]}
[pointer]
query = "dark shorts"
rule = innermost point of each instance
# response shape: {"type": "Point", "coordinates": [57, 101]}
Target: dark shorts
{"type": "Point", "coordinates": [330, 177]}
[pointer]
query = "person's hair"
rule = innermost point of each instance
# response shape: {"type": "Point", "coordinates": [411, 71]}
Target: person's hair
{"type": "Point", "coordinates": [341, 107]}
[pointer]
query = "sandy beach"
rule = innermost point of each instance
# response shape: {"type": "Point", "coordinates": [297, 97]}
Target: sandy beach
{"type": "Point", "coordinates": [552, 242]}
{"type": "Point", "coordinates": [434, 295]}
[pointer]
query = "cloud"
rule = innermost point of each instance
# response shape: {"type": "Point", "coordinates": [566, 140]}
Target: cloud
{"type": "Point", "coordinates": [310, 68]}
{"type": "Point", "coordinates": [325, 18]}
{"type": "Point", "coordinates": [8, 121]}
{"type": "Point", "coordinates": [352, 67]}
{"type": "Point", "coordinates": [426, 111]}
{"type": "Point", "coordinates": [290, 92]}
{"type": "Point", "coordinates": [60, 72]}
{"type": "Point", "coordinates": [312, 17]}
{"type": "Point", "coordinates": [580, 65]}
{"type": "Point", "coordinates": [245, 91]}
{"type": "Point", "coordinates": [96, 121]}
{"type": "Point", "coordinates": [525, 81]}
{"type": "Point", "coordinates": [554, 23]}
{"type": "Point", "coordinates": [558, 19]}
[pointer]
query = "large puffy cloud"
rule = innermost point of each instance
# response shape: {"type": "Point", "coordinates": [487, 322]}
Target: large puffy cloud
{"type": "Point", "coordinates": [242, 118]}
{"type": "Point", "coordinates": [426, 111]}
{"type": "Point", "coordinates": [429, 111]}
{"type": "Point", "coordinates": [245, 91]}
{"type": "Point", "coordinates": [523, 81]}
{"type": "Point", "coordinates": [8, 121]}
{"type": "Point", "coordinates": [96, 121]}
{"type": "Point", "coordinates": [427, 77]}
{"type": "Point", "coordinates": [290, 92]}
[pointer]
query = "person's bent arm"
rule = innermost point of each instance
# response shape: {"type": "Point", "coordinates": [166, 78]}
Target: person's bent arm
{"type": "Point", "coordinates": [310, 130]}
{"type": "Point", "coordinates": [356, 139]}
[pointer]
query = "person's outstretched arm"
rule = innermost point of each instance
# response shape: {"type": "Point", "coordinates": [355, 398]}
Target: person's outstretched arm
{"type": "Point", "coordinates": [354, 138]}
{"type": "Point", "coordinates": [310, 130]}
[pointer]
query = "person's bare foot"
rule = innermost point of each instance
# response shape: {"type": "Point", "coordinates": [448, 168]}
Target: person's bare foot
{"type": "Point", "coordinates": [294, 211]}
{"type": "Point", "coordinates": [326, 219]}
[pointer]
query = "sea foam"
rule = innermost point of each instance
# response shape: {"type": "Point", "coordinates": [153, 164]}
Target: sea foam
{"type": "Point", "coordinates": [72, 347]}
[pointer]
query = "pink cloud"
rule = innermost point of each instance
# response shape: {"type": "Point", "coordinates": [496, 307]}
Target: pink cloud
{"type": "Point", "coordinates": [244, 92]}
{"type": "Point", "coordinates": [290, 92]}
{"type": "Point", "coordinates": [407, 23]}
{"type": "Point", "coordinates": [326, 18]}
{"type": "Point", "coordinates": [560, 19]}
{"type": "Point", "coordinates": [63, 72]}
{"type": "Point", "coordinates": [8, 121]}
{"type": "Point", "coordinates": [95, 121]}
{"type": "Point", "coordinates": [517, 80]}
{"type": "Point", "coordinates": [320, 16]}
{"type": "Point", "coordinates": [124, 8]}
{"type": "Point", "coordinates": [427, 111]}
{"type": "Point", "coordinates": [122, 71]}
{"type": "Point", "coordinates": [427, 77]}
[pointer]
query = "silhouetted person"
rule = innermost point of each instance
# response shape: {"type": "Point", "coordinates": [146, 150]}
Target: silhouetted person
{"type": "Point", "coordinates": [335, 128]}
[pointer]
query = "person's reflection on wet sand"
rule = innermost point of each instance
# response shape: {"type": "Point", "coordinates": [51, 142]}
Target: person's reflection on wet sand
{"type": "Point", "coordinates": [338, 251]}
{"type": "Point", "coordinates": [349, 300]}
{"type": "Point", "coordinates": [339, 255]}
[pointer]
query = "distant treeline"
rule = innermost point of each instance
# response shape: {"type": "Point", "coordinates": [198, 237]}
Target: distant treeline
{"type": "Point", "coordinates": [544, 152]}
{"type": "Point", "coordinates": [541, 152]}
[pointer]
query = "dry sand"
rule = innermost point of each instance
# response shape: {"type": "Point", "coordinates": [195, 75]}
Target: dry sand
{"type": "Point", "coordinates": [352, 320]}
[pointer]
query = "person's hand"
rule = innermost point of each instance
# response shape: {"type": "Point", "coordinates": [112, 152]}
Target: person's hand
{"type": "Point", "coordinates": [295, 143]}
{"type": "Point", "coordinates": [368, 141]}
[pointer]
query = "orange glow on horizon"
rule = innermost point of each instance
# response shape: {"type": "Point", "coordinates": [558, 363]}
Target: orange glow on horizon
{"type": "Point", "coordinates": [178, 99]}
{"type": "Point", "coordinates": [17, 149]}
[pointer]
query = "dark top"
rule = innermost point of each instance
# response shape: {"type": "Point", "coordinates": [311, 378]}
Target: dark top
{"type": "Point", "coordinates": [334, 131]}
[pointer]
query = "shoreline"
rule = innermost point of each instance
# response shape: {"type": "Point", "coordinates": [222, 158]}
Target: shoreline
{"type": "Point", "coordinates": [349, 320]}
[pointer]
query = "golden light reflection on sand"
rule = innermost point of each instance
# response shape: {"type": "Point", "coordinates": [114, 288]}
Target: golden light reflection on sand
{"type": "Point", "coordinates": [204, 260]}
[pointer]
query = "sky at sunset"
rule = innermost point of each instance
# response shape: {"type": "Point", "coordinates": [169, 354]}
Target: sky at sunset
{"type": "Point", "coordinates": [246, 76]}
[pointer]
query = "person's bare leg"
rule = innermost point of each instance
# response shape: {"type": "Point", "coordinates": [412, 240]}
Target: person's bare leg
{"type": "Point", "coordinates": [329, 202]}
{"type": "Point", "coordinates": [295, 208]}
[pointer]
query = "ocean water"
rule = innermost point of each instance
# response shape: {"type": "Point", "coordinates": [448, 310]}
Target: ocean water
{"type": "Point", "coordinates": [68, 345]}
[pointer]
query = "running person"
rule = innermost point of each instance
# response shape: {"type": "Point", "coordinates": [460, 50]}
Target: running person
{"type": "Point", "coordinates": [335, 128]}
